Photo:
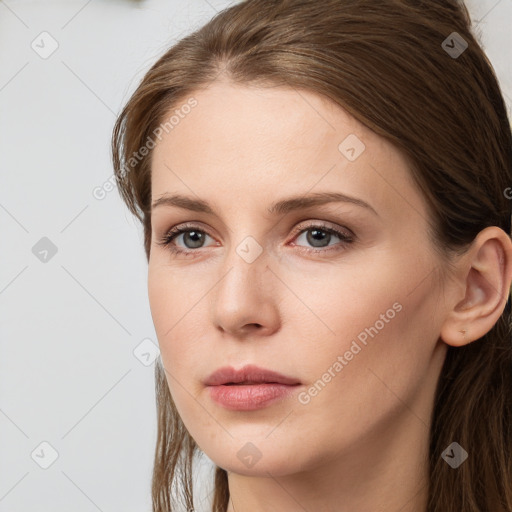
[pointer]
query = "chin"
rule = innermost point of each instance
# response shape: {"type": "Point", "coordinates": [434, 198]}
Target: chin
{"type": "Point", "coordinates": [258, 458]}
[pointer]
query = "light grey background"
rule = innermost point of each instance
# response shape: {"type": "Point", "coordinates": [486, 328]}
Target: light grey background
{"type": "Point", "coordinates": [73, 372]}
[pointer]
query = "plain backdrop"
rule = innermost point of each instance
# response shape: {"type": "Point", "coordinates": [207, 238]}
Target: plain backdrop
{"type": "Point", "coordinates": [77, 343]}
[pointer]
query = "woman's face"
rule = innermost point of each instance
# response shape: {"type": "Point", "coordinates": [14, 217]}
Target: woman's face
{"type": "Point", "coordinates": [353, 317]}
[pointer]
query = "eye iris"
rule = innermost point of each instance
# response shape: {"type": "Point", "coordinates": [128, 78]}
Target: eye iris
{"type": "Point", "coordinates": [315, 235]}
{"type": "Point", "coordinates": [189, 235]}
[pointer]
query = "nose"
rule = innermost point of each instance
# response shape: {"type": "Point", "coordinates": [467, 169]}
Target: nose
{"type": "Point", "coordinates": [245, 300]}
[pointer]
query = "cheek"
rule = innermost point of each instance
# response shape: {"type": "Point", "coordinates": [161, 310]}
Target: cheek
{"type": "Point", "coordinates": [373, 313]}
{"type": "Point", "coordinates": [177, 306]}
{"type": "Point", "coordinates": [374, 355]}
{"type": "Point", "coordinates": [334, 305]}
{"type": "Point", "coordinates": [359, 297]}
{"type": "Point", "coordinates": [171, 299]}
{"type": "Point", "coordinates": [168, 305]}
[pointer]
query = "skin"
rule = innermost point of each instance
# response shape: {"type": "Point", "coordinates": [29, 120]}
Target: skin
{"type": "Point", "coordinates": [361, 443]}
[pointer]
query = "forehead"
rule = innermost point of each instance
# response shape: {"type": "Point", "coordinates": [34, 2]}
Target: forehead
{"type": "Point", "coordinates": [275, 141]}
{"type": "Point", "coordinates": [230, 116]}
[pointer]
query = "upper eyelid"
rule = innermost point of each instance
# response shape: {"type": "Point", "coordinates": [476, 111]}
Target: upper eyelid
{"type": "Point", "coordinates": [301, 225]}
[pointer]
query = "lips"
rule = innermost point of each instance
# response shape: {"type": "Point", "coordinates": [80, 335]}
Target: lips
{"type": "Point", "coordinates": [249, 374]}
{"type": "Point", "coordinates": [249, 388]}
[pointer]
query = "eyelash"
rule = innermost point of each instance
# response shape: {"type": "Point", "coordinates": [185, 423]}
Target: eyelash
{"type": "Point", "coordinates": [173, 233]}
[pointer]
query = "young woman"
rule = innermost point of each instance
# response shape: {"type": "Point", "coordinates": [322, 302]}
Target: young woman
{"type": "Point", "coordinates": [325, 190]}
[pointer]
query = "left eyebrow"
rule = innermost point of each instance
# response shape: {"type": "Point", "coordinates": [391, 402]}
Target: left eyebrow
{"type": "Point", "coordinates": [279, 208]}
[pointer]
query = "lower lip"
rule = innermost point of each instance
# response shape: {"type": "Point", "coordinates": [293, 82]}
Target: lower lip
{"type": "Point", "coordinates": [248, 397]}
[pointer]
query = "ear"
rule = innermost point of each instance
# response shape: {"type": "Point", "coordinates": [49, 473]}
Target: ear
{"type": "Point", "coordinates": [485, 278]}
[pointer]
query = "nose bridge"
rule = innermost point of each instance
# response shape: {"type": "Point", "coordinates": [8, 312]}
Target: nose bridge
{"type": "Point", "coordinates": [245, 270]}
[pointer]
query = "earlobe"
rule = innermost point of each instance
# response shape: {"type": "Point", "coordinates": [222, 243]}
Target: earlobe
{"type": "Point", "coordinates": [486, 273]}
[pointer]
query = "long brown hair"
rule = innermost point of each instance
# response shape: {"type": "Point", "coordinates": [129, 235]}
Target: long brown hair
{"type": "Point", "coordinates": [398, 68]}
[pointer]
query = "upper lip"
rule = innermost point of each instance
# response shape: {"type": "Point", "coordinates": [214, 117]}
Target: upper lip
{"type": "Point", "coordinates": [249, 373]}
